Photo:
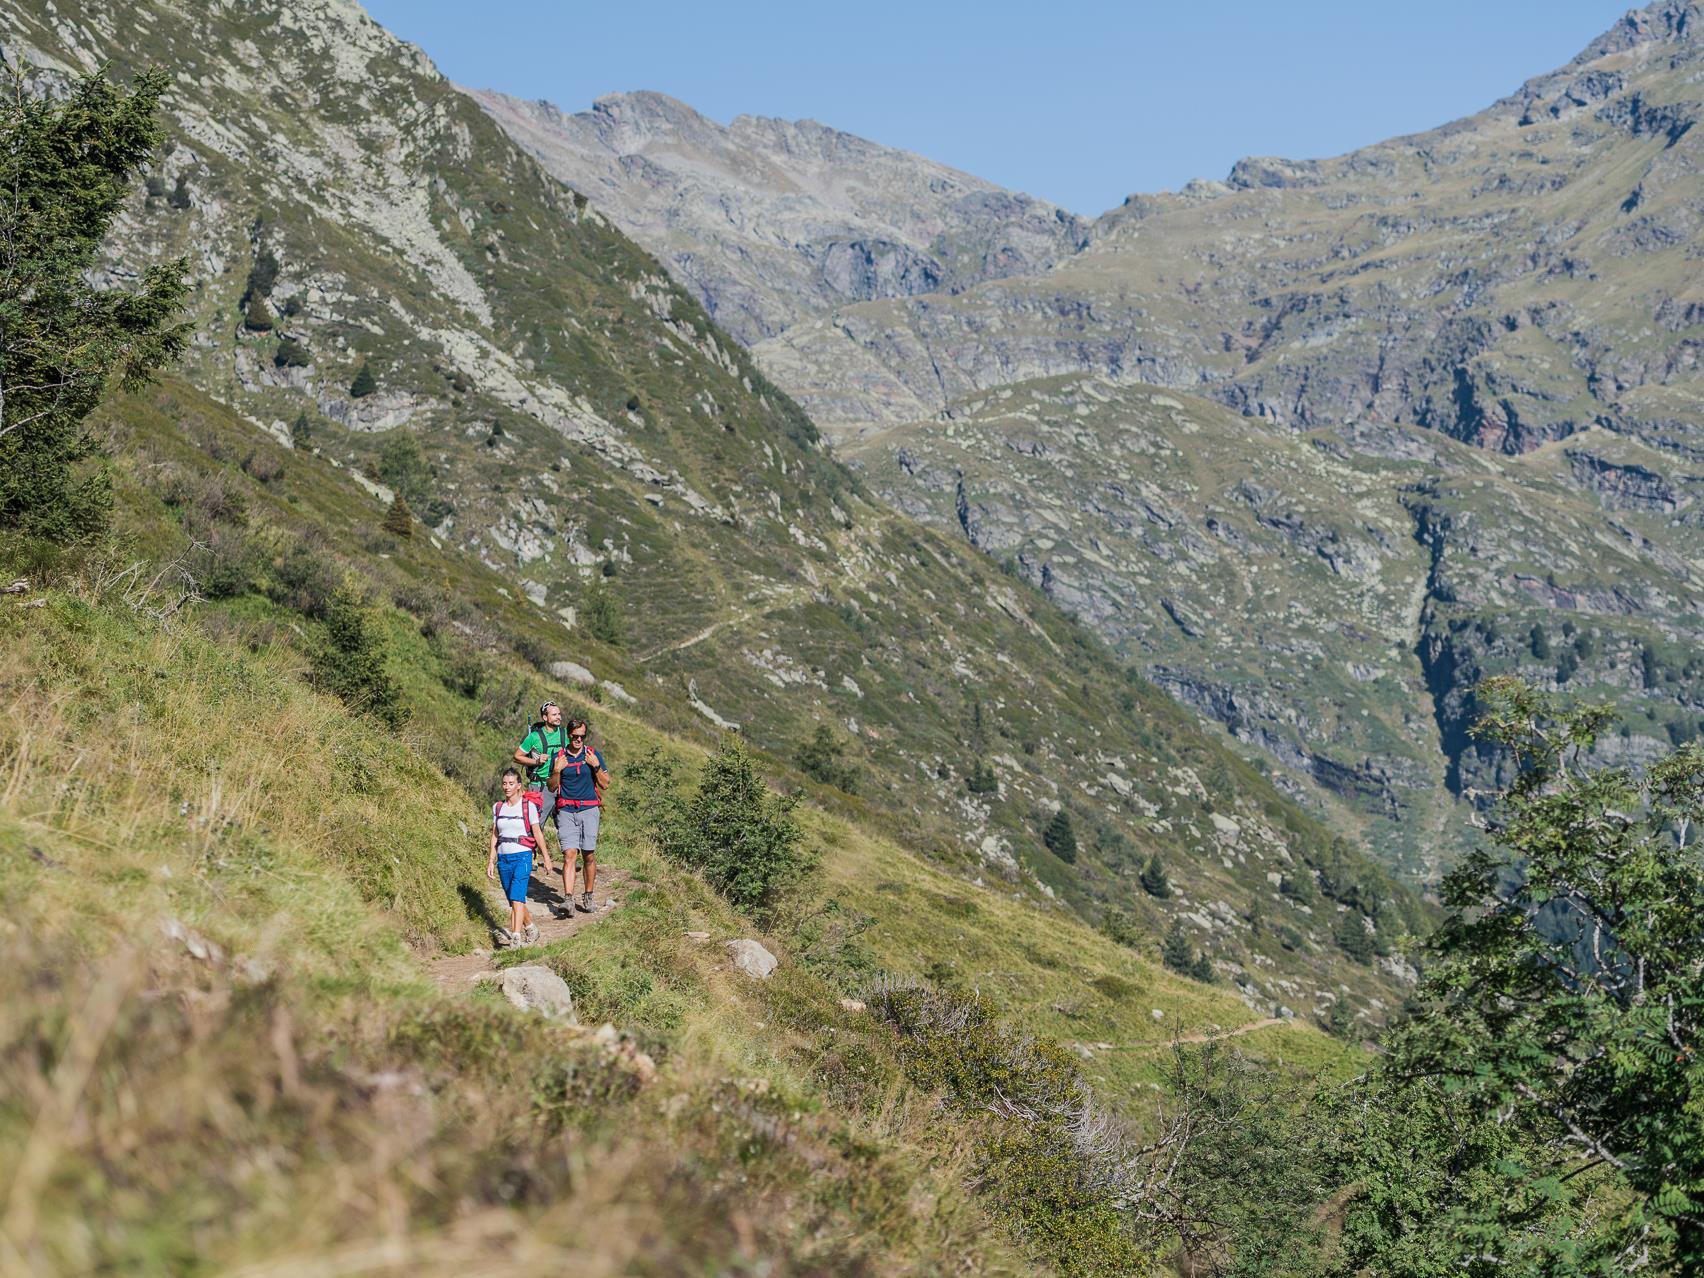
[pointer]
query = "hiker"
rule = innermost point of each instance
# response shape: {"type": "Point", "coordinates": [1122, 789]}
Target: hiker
{"type": "Point", "coordinates": [536, 752]}
{"type": "Point", "coordinates": [515, 833]}
{"type": "Point", "coordinates": [579, 778]}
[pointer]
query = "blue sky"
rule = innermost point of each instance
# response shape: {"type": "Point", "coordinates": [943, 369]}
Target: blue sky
{"type": "Point", "coordinates": [1078, 103]}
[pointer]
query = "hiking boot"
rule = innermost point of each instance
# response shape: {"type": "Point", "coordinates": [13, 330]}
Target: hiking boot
{"type": "Point", "coordinates": [563, 909]}
{"type": "Point", "coordinates": [504, 938]}
{"type": "Point", "coordinates": [586, 906]}
{"type": "Point", "coordinates": [531, 934]}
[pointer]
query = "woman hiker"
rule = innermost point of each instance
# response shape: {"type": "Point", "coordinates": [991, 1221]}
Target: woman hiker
{"type": "Point", "coordinates": [579, 777]}
{"type": "Point", "coordinates": [515, 832]}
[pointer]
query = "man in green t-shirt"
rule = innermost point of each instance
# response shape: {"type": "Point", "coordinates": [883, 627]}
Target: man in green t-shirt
{"type": "Point", "coordinates": [537, 752]}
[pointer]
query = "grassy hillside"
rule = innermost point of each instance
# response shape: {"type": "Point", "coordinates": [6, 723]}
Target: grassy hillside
{"type": "Point", "coordinates": [221, 1051]}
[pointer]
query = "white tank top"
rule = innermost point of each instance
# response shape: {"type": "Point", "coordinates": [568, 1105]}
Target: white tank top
{"type": "Point", "coordinates": [512, 823]}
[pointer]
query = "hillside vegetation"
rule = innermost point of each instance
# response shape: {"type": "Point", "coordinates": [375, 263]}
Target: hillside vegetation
{"type": "Point", "coordinates": [547, 402]}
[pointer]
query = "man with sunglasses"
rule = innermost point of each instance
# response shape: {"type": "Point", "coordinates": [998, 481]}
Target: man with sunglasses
{"type": "Point", "coordinates": [579, 777]}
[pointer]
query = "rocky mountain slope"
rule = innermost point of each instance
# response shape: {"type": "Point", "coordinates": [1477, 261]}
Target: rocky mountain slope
{"type": "Point", "coordinates": [1330, 596]}
{"type": "Point", "coordinates": [1505, 279]}
{"type": "Point", "coordinates": [1279, 547]}
{"type": "Point", "coordinates": [385, 280]}
{"type": "Point", "coordinates": [770, 222]}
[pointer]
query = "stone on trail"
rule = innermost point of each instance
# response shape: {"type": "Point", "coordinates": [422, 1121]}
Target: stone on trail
{"type": "Point", "coordinates": [698, 936]}
{"type": "Point", "coordinates": [537, 989]}
{"type": "Point", "coordinates": [852, 1005]}
{"type": "Point", "coordinates": [572, 672]}
{"type": "Point", "coordinates": [752, 959]}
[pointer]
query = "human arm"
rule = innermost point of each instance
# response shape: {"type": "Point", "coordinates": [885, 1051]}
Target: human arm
{"type": "Point", "coordinates": [531, 750]}
{"type": "Point", "coordinates": [600, 774]}
{"type": "Point", "coordinates": [491, 861]}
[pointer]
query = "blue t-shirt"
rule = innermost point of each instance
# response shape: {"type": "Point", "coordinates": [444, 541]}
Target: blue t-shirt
{"type": "Point", "coordinates": [579, 790]}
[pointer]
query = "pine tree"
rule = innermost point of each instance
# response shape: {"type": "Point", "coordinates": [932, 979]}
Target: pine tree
{"type": "Point", "coordinates": [257, 315]}
{"type": "Point", "coordinates": [365, 383]}
{"type": "Point", "coordinates": [399, 519]}
{"type": "Point", "coordinates": [66, 165]}
{"type": "Point", "coordinates": [1176, 952]}
{"type": "Point", "coordinates": [1061, 838]}
{"type": "Point", "coordinates": [1153, 879]}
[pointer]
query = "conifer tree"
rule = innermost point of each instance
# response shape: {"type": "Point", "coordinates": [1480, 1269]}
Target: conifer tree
{"type": "Point", "coordinates": [399, 519]}
{"type": "Point", "coordinates": [1061, 838]}
{"type": "Point", "coordinates": [365, 383]}
{"type": "Point", "coordinates": [1154, 880]}
{"type": "Point", "coordinates": [65, 167]}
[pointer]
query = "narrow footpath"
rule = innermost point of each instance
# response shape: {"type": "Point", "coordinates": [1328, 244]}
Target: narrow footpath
{"type": "Point", "coordinates": [459, 971]}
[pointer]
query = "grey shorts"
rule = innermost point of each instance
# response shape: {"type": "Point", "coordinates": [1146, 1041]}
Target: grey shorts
{"type": "Point", "coordinates": [578, 828]}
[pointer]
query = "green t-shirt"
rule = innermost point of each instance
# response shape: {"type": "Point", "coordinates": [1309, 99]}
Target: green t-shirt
{"type": "Point", "coordinates": [545, 741]}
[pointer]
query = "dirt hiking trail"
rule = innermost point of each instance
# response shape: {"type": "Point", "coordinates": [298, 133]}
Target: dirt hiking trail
{"type": "Point", "coordinates": [544, 895]}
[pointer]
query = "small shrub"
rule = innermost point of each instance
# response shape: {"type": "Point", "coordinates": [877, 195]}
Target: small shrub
{"type": "Point", "coordinates": [351, 665]}
{"type": "Point", "coordinates": [820, 759]}
{"type": "Point", "coordinates": [305, 580]}
{"type": "Point", "coordinates": [222, 562]}
{"type": "Point", "coordinates": [740, 836]}
{"type": "Point", "coordinates": [291, 354]}
{"type": "Point", "coordinates": [365, 383]}
{"type": "Point", "coordinates": [1153, 878]}
{"type": "Point", "coordinates": [1061, 838]}
{"type": "Point", "coordinates": [981, 779]}
{"type": "Point", "coordinates": [1120, 927]}
{"type": "Point", "coordinates": [263, 467]}
{"type": "Point", "coordinates": [1352, 938]}
{"type": "Point", "coordinates": [399, 519]}
{"type": "Point", "coordinates": [257, 315]}
{"type": "Point", "coordinates": [600, 612]}
{"type": "Point", "coordinates": [179, 198]}
{"type": "Point", "coordinates": [1179, 954]}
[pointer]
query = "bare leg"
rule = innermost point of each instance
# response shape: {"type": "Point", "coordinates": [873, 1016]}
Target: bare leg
{"type": "Point", "coordinates": [568, 857]}
{"type": "Point", "coordinates": [591, 869]}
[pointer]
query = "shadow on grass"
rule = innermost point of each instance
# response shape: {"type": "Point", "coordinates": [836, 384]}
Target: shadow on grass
{"type": "Point", "coordinates": [477, 905]}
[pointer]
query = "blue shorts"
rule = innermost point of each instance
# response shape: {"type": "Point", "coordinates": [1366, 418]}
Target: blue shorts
{"type": "Point", "coordinates": [513, 871]}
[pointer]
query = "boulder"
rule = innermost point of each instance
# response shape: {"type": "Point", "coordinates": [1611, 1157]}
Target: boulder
{"type": "Point", "coordinates": [752, 959]}
{"type": "Point", "coordinates": [852, 1005]}
{"type": "Point", "coordinates": [533, 988]}
{"type": "Point", "coordinates": [572, 672]}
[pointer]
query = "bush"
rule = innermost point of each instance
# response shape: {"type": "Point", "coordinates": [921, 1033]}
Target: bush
{"type": "Point", "coordinates": [399, 519]}
{"type": "Point", "coordinates": [365, 383]}
{"type": "Point", "coordinates": [1179, 954]}
{"type": "Point", "coordinates": [1061, 838]}
{"type": "Point", "coordinates": [1154, 881]}
{"type": "Point", "coordinates": [820, 759]}
{"type": "Point", "coordinates": [1121, 928]}
{"type": "Point", "coordinates": [1352, 937]}
{"type": "Point", "coordinates": [600, 612]}
{"type": "Point", "coordinates": [403, 466]}
{"type": "Point", "coordinates": [291, 354]}
{"type": "Point", "coordinates": [981, 779]}
{"type": "Point", "coordinates": [257, 315]}
{"type": "Point", "coordinates": [305, 580]}
{"type": "Point", "coordinates": [351, 665]}
{"type": "Point", "coordinates": [740, 836]}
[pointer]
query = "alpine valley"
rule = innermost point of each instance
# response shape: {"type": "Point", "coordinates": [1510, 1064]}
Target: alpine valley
{"type": "Point", "coordinates": [1316, 447]}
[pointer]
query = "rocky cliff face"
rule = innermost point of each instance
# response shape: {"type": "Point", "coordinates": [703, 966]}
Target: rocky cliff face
{"type": "Point", "coordinates": [1332, 596]}
{"type": "Point", "coordinates": [769, 222]}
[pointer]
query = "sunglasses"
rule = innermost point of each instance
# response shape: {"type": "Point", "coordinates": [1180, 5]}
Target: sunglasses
{"type": "Point", "coordinates": [576, 736]}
